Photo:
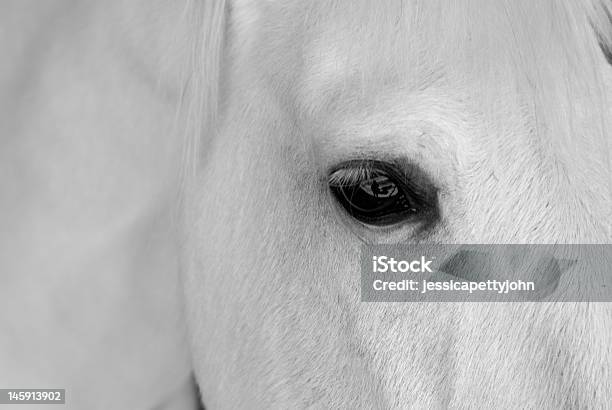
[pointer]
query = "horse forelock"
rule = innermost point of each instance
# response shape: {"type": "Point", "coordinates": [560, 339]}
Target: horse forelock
{"type": "Point", "coordinates": [199, 104]}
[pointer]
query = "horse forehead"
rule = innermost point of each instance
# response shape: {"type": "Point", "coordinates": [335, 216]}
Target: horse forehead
{"type": "Point", "coordinates": [317, 44]}
{"type": "Point", "coordinates": [323, 49]}
{"type": "Point", "coordinates": [334, 51]}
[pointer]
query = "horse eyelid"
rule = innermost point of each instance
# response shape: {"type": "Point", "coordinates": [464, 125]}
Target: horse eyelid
{"type": "Point", "coordinates": [410, 175]}
{"type": "Point", "coordinates": [411, 178]}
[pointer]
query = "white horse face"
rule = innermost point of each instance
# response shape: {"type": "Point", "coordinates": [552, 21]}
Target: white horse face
{"type": "Point", "coordinates": [494, 109]}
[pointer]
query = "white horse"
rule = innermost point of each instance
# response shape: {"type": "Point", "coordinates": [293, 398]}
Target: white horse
{"type": "Point", "coordinates": [497, 110]}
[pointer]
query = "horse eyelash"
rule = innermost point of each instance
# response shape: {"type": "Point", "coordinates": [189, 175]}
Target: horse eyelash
{"type": "Point", "coordinates": [353, 174]}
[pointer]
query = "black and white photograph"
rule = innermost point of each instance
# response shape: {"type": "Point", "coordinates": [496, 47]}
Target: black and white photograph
{"type": "Point", "coordinates": [306, 204]}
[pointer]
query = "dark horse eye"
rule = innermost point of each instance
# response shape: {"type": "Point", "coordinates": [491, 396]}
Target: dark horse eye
{"type": "Point", "coordinates": [377, 193]}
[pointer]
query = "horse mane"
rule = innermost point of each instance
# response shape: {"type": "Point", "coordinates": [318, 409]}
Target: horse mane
{"type": "Point", "coordinates": [200, 97]}
{"type": "Point", "coordinates": [600, 16]}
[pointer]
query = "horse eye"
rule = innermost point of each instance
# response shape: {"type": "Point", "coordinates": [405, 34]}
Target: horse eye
{"type": "Point", "coordinates": [376, 193]}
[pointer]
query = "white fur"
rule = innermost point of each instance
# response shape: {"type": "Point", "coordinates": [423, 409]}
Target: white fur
{"type": "Point", "coordinates": [505, 103]}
